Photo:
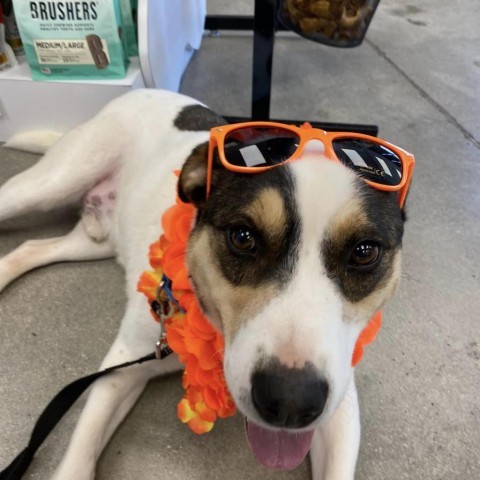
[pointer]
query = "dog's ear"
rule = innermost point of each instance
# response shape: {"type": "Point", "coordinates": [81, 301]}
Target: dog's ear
{"type": "Point", "coordinates": [404, 208]}
{"type": "Point", "coordinates": [192, 184]}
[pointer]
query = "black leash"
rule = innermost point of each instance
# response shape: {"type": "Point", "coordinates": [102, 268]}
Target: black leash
{"type": "Point", "coordinates": [56, 409]}
{"type": "Point", "coordinates": [53, 413]}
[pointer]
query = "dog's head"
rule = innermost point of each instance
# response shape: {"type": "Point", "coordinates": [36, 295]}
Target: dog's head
{"type": "Point", "coordinates": [290, 264]}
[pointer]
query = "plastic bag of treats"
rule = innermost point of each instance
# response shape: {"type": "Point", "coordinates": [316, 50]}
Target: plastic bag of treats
{"type": "Point", "coordinates": [339, 23]}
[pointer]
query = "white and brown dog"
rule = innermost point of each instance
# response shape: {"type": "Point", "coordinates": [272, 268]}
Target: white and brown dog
{"type": "Point", "coordinates": [277, 261]}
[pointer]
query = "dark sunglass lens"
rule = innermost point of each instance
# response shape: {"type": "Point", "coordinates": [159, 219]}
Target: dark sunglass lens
{"type": "Point", "coordinates": [260, 146]}
{"type": "Point", "coordinates": [370, 160]}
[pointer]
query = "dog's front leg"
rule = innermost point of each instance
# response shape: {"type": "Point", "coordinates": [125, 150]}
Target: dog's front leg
{"type": "Point", "coordinates": [112, 397]}
{"type": "Point", "coordinates": [335, 446]}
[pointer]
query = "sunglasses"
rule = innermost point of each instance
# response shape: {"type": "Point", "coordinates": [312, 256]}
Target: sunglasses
{"type": "Point", "coordinates": [254, 147]}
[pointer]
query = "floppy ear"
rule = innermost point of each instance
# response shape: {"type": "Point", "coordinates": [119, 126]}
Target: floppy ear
{"type": "Point", "coordinates": [404, 208]}
{"type": "Point", "coordinates": [192, 184]}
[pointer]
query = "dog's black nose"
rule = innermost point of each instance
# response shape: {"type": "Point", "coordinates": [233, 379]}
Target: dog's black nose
{"type": "Point", "coordinates": [288, 397]}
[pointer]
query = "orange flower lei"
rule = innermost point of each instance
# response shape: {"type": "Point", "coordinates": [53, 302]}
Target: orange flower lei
{"type": "Point", "coordinates": [197, 343]}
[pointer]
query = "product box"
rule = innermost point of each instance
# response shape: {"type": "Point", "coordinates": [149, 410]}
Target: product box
{"type": "Point", "coordinates": [73, 39]}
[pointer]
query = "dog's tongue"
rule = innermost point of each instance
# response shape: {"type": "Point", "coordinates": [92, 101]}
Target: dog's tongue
{"type": "Point", "coordinates": [278, 449]}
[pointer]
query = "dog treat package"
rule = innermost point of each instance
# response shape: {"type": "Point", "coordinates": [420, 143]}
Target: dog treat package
{"type": "Point", "coordinates": [338, 23]}
{"type": "Point", "coordinates": [134, 15]}
{"type": "Point", "coordinates": [72, 39]}
{"type": "Point", "coordinates": [7, 57]}
{"type": "Point", "coordinates": [129, 34]}
{"type": "Point", "coordinates": [12, 35]}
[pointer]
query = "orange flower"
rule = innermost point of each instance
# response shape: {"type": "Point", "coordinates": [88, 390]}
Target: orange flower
{"type": "Point", "coordinates": [367, 336]}
{"type": "Point", "coordinates": [155, 255]}
{"type": "Point", "coordinates": [148, 284]}
{"type": "Point", "coordinates": [193, 416]}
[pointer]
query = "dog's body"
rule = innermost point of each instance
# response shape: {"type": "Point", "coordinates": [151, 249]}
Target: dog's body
{"type": "Point", "coordinates": [291, 307]}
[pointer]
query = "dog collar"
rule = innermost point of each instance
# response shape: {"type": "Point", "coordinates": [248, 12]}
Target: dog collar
{"type": "Point", "coordinates": [187, 332]}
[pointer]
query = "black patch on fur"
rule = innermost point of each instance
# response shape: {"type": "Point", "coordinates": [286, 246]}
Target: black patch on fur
{"type": "Point", "coordinates": [198, 118]}
{"type": "Point", "coordinates": [385, 226]}
{"type": "Point", "coordinates": [276, 254]}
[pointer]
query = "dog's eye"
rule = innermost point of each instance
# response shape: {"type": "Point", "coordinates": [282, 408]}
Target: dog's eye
{"type": "Point", "coordinates": [365, 254]}
{"type": "Point", "coordinates": [241, 240]}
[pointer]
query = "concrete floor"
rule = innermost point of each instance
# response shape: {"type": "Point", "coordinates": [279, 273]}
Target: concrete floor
{"type": "Point", "coordinates": [418, 77]}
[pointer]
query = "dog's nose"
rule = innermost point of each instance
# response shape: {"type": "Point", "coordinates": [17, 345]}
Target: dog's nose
{"type": "Point", "coordinates": [288, 397]}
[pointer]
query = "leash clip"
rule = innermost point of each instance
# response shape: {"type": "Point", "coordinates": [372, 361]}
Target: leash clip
{"type": "Point", "coordinates": [163, 309]}
{"type": "Point", "coordinates": [162, 349]}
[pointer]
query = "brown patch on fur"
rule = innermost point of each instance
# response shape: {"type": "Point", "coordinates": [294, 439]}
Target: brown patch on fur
{"type": "Point", "coordinates": [268, 212]}
{"type": "Point", "coordinates": [227, 306]}
{"type": "Point", "coordinates": [351, 218]}
{"type": "Point", "coordinates": [247, 302]}
{"type": "Point", "coordinates": [345, 231]}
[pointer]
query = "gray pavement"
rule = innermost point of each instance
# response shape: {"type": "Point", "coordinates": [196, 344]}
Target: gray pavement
{"type": "Point", "coordinates": [418, 77]}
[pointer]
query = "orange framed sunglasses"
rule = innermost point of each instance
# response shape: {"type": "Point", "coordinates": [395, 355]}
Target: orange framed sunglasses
{"type": "Point", "coordinates": [254, 147]}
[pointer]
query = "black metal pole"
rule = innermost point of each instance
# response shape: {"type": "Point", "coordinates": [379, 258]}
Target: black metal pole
{"type": "Point", "coordinates": [263, 42]}
{"type": "Point", "coordinates": [265, 25]}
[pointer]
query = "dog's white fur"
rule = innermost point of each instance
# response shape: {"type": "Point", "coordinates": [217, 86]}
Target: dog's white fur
{"type": "Point", "coordinates": [134, 137]}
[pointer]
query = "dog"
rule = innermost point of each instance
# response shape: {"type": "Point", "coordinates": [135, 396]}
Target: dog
{"type": "Point", "coordinates": [277, 261]}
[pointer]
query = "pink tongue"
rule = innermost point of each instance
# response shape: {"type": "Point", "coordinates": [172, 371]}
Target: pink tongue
{"type": "Point", "coordinates": [278, 449]}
